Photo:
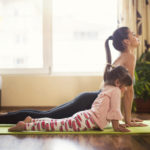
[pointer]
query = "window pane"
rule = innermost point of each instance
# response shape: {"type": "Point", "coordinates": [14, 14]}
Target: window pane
{"type": "Point", "coordinates": [21, 34]}
{"type": "Point", "coordinates": [80, 28]}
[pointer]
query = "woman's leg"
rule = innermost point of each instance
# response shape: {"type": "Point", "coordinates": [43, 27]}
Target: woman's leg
{"type": "Point", "coordinates": [14, 117]}
{"type": "Point", "coordinates": [79, 103]}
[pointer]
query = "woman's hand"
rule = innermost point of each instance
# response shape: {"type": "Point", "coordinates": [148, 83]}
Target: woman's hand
{"type": "Point", "coordinates": [136, 120]}
{"type": "Point", "coordinates": [134, 124]}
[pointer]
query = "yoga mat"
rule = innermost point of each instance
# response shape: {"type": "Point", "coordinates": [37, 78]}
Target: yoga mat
{"type": "Point", "coordinates": [107, 130]}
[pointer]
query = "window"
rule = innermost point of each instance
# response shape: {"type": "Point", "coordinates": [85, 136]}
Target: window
{"type": "Point", "coordinates": [64, 35]}
{"type": "Point", "coordinates": [80, 28]}
{"type": "Point", "coordinates": [21, 34]}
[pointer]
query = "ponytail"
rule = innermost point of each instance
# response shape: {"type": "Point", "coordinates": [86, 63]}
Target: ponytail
{"type": "Point", "coordinates": [108, 68]}
{"type": "Point", "coordinates": [118, 36]}
{"type": "Point", "coordinates": [108, 58]}
{"type": "Point", "coordinates": [108, 53]}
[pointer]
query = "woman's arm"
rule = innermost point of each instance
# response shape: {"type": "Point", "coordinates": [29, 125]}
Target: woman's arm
{"type": "Point", "coordinates": [128, 97]}
{"type": "Point", "coordinates": [127, 104]}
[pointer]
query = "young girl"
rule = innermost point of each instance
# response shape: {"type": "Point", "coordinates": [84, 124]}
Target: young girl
{"type": "Point", "coordinates": [105, 108]}
{"type": "Point", "coordinates": [125, 42]}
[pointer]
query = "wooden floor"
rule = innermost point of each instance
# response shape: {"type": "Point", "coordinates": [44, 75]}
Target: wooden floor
{"type": "Point", "coordinates": [77, 142]}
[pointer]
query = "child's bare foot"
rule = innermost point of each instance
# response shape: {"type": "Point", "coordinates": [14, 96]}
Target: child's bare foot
{"type": "Point", "coordinates": [28, 119]}
{"type": "Point", "coordinates": [20, 126]}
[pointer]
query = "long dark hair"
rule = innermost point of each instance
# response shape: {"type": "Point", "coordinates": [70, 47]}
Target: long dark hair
{"type": "Point", "coordinates": [114, 73]}
{"type": "Point", "coordinates": [117, 38]}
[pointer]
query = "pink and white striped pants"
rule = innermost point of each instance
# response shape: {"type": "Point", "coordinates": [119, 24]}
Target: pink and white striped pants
{"type": "Point", "coordinates": [80, 121]}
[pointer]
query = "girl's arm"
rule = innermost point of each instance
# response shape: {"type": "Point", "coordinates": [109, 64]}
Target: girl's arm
{"type": "Point", "coordinates": [117, 127]}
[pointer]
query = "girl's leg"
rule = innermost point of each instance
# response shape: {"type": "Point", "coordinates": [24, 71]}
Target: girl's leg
{"type": "Point", "coordinates": [79, 103]}
{"type": "Point", "coordinates": [79, 122]}
{"type": "Point", "coordinates": [21, 125]}
{"type": "Point", "coordinates": [84, 121]}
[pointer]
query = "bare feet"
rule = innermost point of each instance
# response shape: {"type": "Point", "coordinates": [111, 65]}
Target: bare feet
{"type": "Point", "coordinates": [20, 126]}
{"type": "Point", "coordinates": [3, 113]}
{"type": "Point", "coordinates": [27, 119]}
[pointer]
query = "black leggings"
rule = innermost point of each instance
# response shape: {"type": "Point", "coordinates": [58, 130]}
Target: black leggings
{"type": "Point", "coordinates": [79, 103]}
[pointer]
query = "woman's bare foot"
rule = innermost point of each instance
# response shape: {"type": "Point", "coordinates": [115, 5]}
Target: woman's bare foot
{"type": "Point", "coordinates": [3, 113]}
{"type": "Point", "coordinates": [20, 126]}
{"type": "Point", "coordinates": [27, 119]}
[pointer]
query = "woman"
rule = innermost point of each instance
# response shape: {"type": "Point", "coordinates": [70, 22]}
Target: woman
{"type": "Point", "coordinates": [125, 42]}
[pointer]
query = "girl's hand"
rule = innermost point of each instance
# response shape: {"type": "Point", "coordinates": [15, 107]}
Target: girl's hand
{"type": "Point", "coordinates": [121, 129]}
{"type": "Point", "coordinates": [123, 125]}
